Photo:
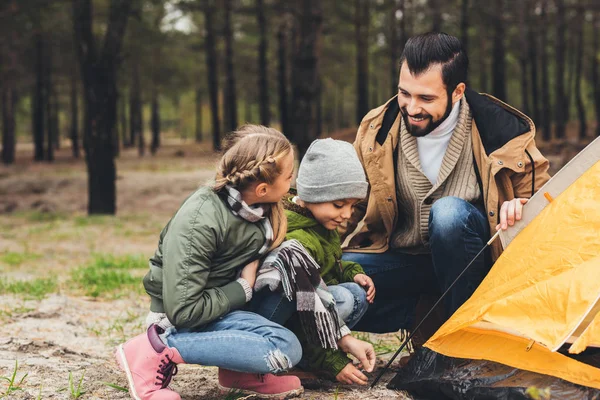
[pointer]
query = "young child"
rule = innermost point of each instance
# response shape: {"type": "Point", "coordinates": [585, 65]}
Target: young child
{"type": "Point", "coordinates": [330, 181]}
{"type": "Point", "coordinates": [202, 275]}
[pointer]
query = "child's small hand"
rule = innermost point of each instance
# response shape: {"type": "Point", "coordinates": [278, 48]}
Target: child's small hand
{"type": "Point", "coordinates": [350, 375]}
{"type": "Point", "coordinates": [362, 350]}
{"type": "Point", "coordinates": [249, 273]}
{"type": "Point", "coordinates": [367, 283]}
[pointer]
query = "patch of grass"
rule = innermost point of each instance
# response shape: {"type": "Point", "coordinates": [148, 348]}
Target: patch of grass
{"type": "Point", "coordinates": [75, 391]}
{"type": "Point", "coordinates": [116, 387]}
{"type": "Point", "coordinates": [105, 274]}
{"type": "Point", "coordinates": [37, 288]}
{"type": "Point", "coordinates": [15, 259]}
{"type": "Point", "coordinates": [39, 216]}
{"type": "Point", "coordinates": [380, 346]}
{"type": "Point", "coordinates": [89, 220]}
{"type": "Point", "coordinates": [13, 385]}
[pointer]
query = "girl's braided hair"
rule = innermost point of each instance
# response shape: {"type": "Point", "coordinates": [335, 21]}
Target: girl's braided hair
{"type": "Point", "coordinates": [251, 154]}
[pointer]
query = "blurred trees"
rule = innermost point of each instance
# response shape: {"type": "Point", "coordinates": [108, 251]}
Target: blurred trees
{"type": "Point", "coordinates": [197, 68]}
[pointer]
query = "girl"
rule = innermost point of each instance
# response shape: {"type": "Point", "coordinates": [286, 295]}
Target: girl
{"type": "Point", "coordinates": [195, 279]}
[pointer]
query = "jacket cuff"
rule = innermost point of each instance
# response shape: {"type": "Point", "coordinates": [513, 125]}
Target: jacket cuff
{"type": "Point", "coordinates": [156, 305]}
{"type": "Point", "coordinates": [235, 294]}
{"type": "Point", "coordinates": [344, 331]}
{"type": "Point", "coordinates": [247, 288]}
{"type": "Point", "coordinates": [335, 363]}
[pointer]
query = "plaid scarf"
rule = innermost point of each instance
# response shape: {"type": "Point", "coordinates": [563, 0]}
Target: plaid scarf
{"type": "Point", "coordinates": [292, 268]}
{"type": "Point", "coordinates": [251, 214]}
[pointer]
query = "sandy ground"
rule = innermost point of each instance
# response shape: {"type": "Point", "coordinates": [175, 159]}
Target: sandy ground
{"type": "Point", "coordinates": [67, 335]}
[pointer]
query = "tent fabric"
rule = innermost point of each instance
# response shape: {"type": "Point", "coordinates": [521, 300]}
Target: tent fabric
{"type": "Point", "coordinates": [544, 290]}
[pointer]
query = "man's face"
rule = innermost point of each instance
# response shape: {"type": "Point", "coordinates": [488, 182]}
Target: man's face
{"type": "Point", "coordinates": [424, 101]}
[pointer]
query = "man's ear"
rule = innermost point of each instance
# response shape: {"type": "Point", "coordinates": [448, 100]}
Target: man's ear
{"type": "Point", "coordinates": [261, 189]}
{"type": "Point", "coordinates": [458, 92]}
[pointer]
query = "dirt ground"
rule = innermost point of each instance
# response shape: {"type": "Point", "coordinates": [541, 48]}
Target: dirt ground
{"type": "Point", "coordinates": [66, 335]}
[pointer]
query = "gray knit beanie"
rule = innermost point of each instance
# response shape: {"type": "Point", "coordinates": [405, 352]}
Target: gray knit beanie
{"type": "Point", "coordinates": [329, 171]}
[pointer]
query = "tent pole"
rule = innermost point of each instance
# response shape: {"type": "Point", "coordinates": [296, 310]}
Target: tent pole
{"type": "Point", "coordinates": [489, 242]}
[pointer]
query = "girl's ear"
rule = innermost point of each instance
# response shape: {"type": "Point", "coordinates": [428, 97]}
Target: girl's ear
{"type": "Point", "coordinates": [261, 189]}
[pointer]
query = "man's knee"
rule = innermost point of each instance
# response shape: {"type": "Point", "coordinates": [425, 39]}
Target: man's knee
{"type": "Point", "coordinates": [449, 215]}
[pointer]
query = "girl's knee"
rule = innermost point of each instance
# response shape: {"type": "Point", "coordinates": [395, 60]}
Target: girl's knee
{"type": "Point", "coordinates": [287, 353]}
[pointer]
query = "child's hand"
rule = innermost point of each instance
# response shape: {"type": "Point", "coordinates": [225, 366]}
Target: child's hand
{"type": "Point", "coordinates": [363, 351]}
{"type": "Point", "coordinates": [350, 375]}
{"type": "Point", "coordinates": [249, 273]}
{"type": "Point", "coordinates": [366, 282]}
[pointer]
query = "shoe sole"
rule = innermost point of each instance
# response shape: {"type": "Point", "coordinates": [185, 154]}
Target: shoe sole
{"type": "Point", "coordinates": [122, 362]}
{"type": "Point", "coordinates": [277, 396]}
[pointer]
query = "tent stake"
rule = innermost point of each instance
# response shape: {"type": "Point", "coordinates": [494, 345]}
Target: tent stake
{"type": "Point", "coordinates": [489, 242]}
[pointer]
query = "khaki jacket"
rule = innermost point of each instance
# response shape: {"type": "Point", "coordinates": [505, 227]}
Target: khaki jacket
{"type": "Point", "coordinates": [508, 165]}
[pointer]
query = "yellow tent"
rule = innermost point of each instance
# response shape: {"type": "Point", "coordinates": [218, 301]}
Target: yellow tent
{"type": "Point", "coordinates": [544, 291]}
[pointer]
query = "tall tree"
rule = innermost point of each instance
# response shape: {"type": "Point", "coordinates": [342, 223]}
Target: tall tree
{"type": "Point", "coordinates": [155, 122]}
{"type": "Point", "coordinates": [8, 91]}
{"type": "Point", "coordinates": [523, 15]}
{"type": "Point", "coordinates": [532, 45]}
{"type": "Point", "coordinates": [393, 48]}
{"type": "Point", "coordinates": [263, 82]}
{"type": "Point", "coordinates": [211, 65]}
{"type": "Point", "coordinates": [198, 114]}
{"type": "Point", "coordinates": [361, 25]}
{"type": "Point", "coordinates": [305, 82]}
{"type": "Point", "coordinates": [579, 25]}
{"type": "Point", "coordinates": [464, 24]}
{"type": "Point", "coordinates": [52, 126]}
{"type": "Point", "coordinates": [38, 98]}
{"type": "Point", "coordinates": [559, 77]}
{"type": "Point", "coordinates": [499, 54]}
{"type": "Point", "coordinates": [594, 70]}
{"type": "Point", "coordinates": [546, 105]}
{"type": "Point", "coordinates": [282, 71]}
{"type": "Point", "coordinates": [231, 117]}
{"type": "Point", "coordinates": [436, 15]}
{"type": "Point", "coordinates": [98, 68]}
{"type": "Point", "coordinates": [74, 128]}
{"type": "Point", "coordinates": [136, 121]}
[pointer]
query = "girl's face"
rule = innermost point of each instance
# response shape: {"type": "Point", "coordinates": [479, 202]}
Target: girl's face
{"type": "Point", "coordinates": [281, 185]}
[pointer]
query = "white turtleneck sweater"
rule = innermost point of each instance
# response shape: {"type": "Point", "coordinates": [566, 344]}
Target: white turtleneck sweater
{"type": "Point", "coordinates": [432, 147]}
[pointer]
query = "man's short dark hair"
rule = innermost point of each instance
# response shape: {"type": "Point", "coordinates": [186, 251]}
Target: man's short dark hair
{"type": "Point", "coordinates": [421, 51]}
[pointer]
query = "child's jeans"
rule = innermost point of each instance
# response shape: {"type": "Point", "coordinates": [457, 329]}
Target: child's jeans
{"type": "Point", "coordinates": [350, 301]}
{"type": "Point", "coordinates": [240, 341]}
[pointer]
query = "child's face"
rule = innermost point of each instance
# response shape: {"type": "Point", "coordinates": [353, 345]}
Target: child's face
{"type": "Point", "coordinates": [332, 213]}
{"type": "Point", "coordinates": [281, 185]}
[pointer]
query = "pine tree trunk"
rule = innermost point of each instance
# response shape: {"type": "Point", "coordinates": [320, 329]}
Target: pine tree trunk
{"type": "Point", "coordinates": [135, 111]}
{"type": "Point", "coordinates": [578, 74]}
{"type": "Point", "coordinates": [38, 99]}
{"type": "Point", "coordinates": [546, 105]}
{"type": "Point", "coordinates": [9, 103]}
{"type": "Point", "coordinates": [392, 8]}
{"type": "Point", "coordinates": [533, 59]}
{"type": "Point", "coordinates": [559, 79]}
{"type": "Point", "coordinates": [230, 94]}
{"type": "Point", "coordinates": [263, 82]}
{"type": "Point", "coordinates": [436, 15]}
{"type": "Point", "coordinates": [99, 75]}
{"type": "Point", "coordinates": [198, 113]}
{"type": "Point", "coordinates": [464, 25]}
{"type": "Point", "coordinates": [498, 62]}
{"type": "Point", "coordinates": [212, 76]}
{"type": "Point", "coordinates": [50, 125]}
{"type": "Point", "coordinates": [123, 115]}
{"type": "Point", "coordinates": [523, 55]}
{"type": "Point", "coordinates": [595, 73]}
{"type": "Point", "coordinates": [74, 131]}
{"type": "Point", "coordinates": [361, 30]}
{"type": "Point", "coordinates": [155, 123]}
{"type": "Point", "coordinates": [483, 65]}
{"type": "Point", "coordinates": [305, 84]}
{"type": "Point", "coordinates": [282, 70]}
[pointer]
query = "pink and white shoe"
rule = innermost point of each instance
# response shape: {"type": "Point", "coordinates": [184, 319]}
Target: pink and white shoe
{"type": "Point", "coordinates": [149, 365]}
{"type": "Point", "coordinates": [262, 386]}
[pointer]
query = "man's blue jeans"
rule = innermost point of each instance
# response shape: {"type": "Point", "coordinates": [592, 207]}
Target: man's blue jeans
{"type": "Point", "coordinates": [458, 230]}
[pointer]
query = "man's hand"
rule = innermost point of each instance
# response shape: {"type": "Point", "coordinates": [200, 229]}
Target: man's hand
{"type": "Point", "coordinates": [510, 212]}
{"type": "Point", "coordinates": [350, 375]}
{"type": "Point", "coordinates": [363, 351]}
{"type": "Point", "coordinates": [366, 282]}
{"type": "Point", "coordinates": [249, 273]}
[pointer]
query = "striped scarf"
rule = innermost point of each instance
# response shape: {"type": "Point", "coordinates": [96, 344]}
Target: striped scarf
{"type": "Point", "coordinates": [251, 214]}
{"type": "Point", "coordinates": [292, 268]}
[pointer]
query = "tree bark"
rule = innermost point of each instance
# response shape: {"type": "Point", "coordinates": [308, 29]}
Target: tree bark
{"type": "Point", "coordinates": [464, 25]}
{"type": "Point", "coordinates": [98, 68]}
{"type": "Point", "coordinates": [123, 116]}
{"type": "Point", "coordinates": [546, 105]}
{"type": "Point", "coordinates": [49, 99]}
{"type": "Point", "coordinates": [533, 68]}
{"type": "Point", "coordinates": [230, 94]}
{"type": "Point", "coordinates": [263, 82]}
{"type": "Point", "coordinates": [392, 8]}
{"type": "Point", "coordinates": [282, 71]}
{"type": "Point", "coordinates": [578, 74]}
{"type": "Point", "coordinates": [212, 76]}
{"type": "Point", "coordinates": [595, 73]}
{"type": "Point", "coordinates": [38, 99]}
{"type": "Point", "coordinates": [155, 123]}
{"type": "Point", "coordinates": [9, 102]}
{"type": "Point", "coordinates": [361, 30]}
{"type": "Point", "coordinates": [436, 15]}
{"type": "Point", "coordinates": [305, 84]}
{"type": "Point", "coordinates": [198, 113]}
{"type": "Point", "coordinates": [136, 129]}
{"type": "Point", "coordinates": [523, 56]}
{"type": "Point", "coordinates": [498, 62]}
{"type": "Point", "coordinates": [74, 129]}
{"type": "Point", "coordinates": [559, 106]}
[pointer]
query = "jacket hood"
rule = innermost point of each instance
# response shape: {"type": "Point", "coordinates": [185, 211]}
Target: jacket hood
{"type": "Point", "coordinates": [297, 217]}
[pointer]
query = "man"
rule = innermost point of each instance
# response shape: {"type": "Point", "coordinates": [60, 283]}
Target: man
{"type": "Point", "coordinates": [447, 167]}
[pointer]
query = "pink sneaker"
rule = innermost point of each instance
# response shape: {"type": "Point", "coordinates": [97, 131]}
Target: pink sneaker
{"type": "Point", "coordinates": [267, 386]}
{"type": "Point", "coordinates": [149, 366]}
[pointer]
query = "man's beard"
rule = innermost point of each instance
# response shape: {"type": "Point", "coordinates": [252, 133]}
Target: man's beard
{"type": "Point", "coordinates": [427, 129]}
